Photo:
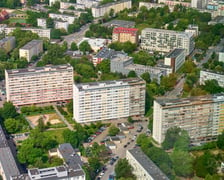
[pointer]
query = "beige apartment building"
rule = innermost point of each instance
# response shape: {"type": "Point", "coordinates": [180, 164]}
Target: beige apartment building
{"type": "Point", "coordinates": [202, 117]}
{"type": "Point", "coordinates": [100, 10]}
{"type": "Point", "coordinates": [34, 47]}
{"type": "Point", "coordinates": [122, 34]}
{"type": "Point", "coordinates": [106, 100]}
{"type": "Point", "coordinates": [39, 85]}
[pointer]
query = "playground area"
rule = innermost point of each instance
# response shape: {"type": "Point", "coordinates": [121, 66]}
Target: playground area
{"type": "Point", "coordinates": [51, 118]}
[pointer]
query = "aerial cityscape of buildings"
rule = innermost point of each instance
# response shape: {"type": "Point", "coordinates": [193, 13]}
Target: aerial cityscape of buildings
{"type": "Point", "coordinates": [102, 66]}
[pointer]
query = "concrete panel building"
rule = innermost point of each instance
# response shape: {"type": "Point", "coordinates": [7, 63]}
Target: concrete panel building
{"type": "Point", "coordinates": [39, 85]}
{"type": "Point", "coordinates": [202, 117]}
{"type": "Point", "coordinates": [61, 25]}
{"type": "Point", "coordinates": [63, 17]}
{"type": "Point", "coordinates": [122, 34]}
{"type": "Point", "coordinates": [41, 32]}
{"type": "Point", "coordinates": [8, 43]}
{"type": "Point", "coordinates": [122, 63]}
{"type": "Point", "coordinates": [88, 3]}
{"type": "Point", "coordinates": [108, 100]}
{"type": "Point", "coordinates": [8, 166]}
{"type": "Point", "coordinates": [66, 5]}
{"type": "Point", "coordinates": [100, 10]}
{"type": "Point", "coordinates": [175, 59]}
{"type": "Point", "coordinates": [41, 22]}
{"type": "Point", "coordinates": [166, 40]}
{"type": "Point", "coordinates": [143, 167]}
{"type": "Point", "coordinates": [32, 48]}
{"type": "Point", "coordinates": [210, 75]}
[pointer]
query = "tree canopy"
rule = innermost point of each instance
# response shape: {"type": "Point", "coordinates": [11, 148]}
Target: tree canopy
{"type": "Point", "coordinates": [124, 170]}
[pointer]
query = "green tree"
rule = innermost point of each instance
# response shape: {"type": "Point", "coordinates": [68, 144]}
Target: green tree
{"type": "Point", "coordinates": [69, 106]}
{"type": "Point", "coordinates": [41, 126]}
{"type": "Point", "coordinates": [171, 137]}
{"type": "Point", "coordinates": [146, 77]}
{"type": "Point", "coordinates": [130, 120]}
{"type": "Point", "coordinates": [168, 82]}
{"type": "Point", "coordinates": [11, 125]}
{"type": "Point", "coordinates": [132, 74]}
{"type": "Point", "coordinates": [212, 86]}
{"type": "Point", "coordinates": [182, 163]}
{"type": "Point", "coordinates": [123, 169]}
{"type": "Point", "coordinates": [183, 141]}
{"type": "Point", "coordinates": [85, 47]}
{"type": "Point", "coordinates": [113, 130]}
{"type": "Point", "coordinates": [220, 141]}
{"type": "Point", "coordinates": [9, 110]}
{"type": "Point", "coordinates": [74, 46]}
{"type": "Point", "coordinates": [3, 55]}
{"type": "Point", "coordinates": [50, 23]}
{"type": "Point", "coordinates": [104, 66]}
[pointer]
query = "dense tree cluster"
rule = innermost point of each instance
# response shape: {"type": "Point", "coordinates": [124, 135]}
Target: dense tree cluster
{"type": "Point", "coordinates": [99, 31]}
{"type": "Point", "coordinates": [124, 170]}
{"type": "Point", "coordinates": [127, 47]}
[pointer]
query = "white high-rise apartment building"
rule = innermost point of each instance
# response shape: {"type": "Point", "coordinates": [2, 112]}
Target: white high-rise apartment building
{"type": "Point", "coordinates": [166, 40]}
{"type": "Point", "coordinates": [210, 75]}
{"type": "Point", "coordinates": [39, 85]}
{"type": "Point", "coordinates": [108, 100]}
{"type": "Point", "coordinates": [202, 117]}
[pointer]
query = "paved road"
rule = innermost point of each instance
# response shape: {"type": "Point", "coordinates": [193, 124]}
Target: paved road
{"type": "Point", "coordinates": [177, 89]}
{"type": "Point", "coordinates": [77, 36]}
{"type": "Point", "coordinates": [63, 118]}
{"type": "Point", "coordinates": [121, 151]}
{"type": "Point", "coordinates": [209, 52]}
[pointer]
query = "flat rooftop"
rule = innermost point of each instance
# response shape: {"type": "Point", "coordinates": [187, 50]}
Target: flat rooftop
{"type": "Point", "coordinates": [181, 33]}
{"type": "Point", "coordinates": [147, 164]}
{"type": "Point", "coordinates": [31, 44]}
{"type": "Point", "coordinates": [39, 69]}
{"type": "Point", "coordinates": [174, 53]}
{"type": "Point", "coordinates": [191, 100]}
{"type": "Point", "coordinates": [103, 84]}
{"type": "Point", "coordinates": [120, 23]}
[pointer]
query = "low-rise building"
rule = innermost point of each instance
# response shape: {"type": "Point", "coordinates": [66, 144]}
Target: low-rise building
{"type": "Point", "coordinates": [117, 6]}
{"type": "Point", "coordinates": [2, 28]}
{"type": "Point", "coordinates": [150, 5]}
{"type": "Point", "coordinates": [88, 3]}
{"type": "Point", "coordinates": [104, 53]}
{"type": "Point", "coordinates": [122, 34]}
{"type": "Point", "coordinates": [41, 32]}
{"type": "Point", "coordinates": [210, 75]}
{"type": "Point", "coordinates": [122, 63]}
{"type": "Point", "coordinates": [143, 167]}
{"type": "Point", "coordinates": [39, 85]}
{"type": "Point", "coordinates": [120, 23]}
{"type": "Point", "coordinates": [61, 25]}
{"type": "Point", "coordinates": [175, 59]}
{"type": "Point", "coordinates": [201, 116]}
{"type": "Point", "coordinates": [110, 144]}
{"type": "Point", "coordinates": [63, 17]}
{"type": "Point", "coordinates": [66, 5]}
{"type": "Point", "coordinates": [42, 22]}
{"type": "Point", "coordinates": [32, 48]}
{"type": "Point", "coordinates": [193, 29]}
{"type": "Point", "coordinates": [96, 43]}
{"type": "Point", "coordinates": [221, 55]}
{"type": "Point", "coordinates": [106, 100]}
{"type": "Point", "coordinates": [166, 40]}
{"type": "Point", "coordinates": [171, 4]}
{"type": "Point", "coordinates": [8, 43]}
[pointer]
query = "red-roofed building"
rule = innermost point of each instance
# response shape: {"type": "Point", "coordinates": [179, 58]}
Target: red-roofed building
{"type": "Point", "coordinates": [122, 34]}
{"type": "Point", "coordinates": [3, 15]}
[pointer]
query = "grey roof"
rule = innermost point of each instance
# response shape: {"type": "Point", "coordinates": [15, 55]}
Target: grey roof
{"type": "Point", "coordinates": [120, 23]}
{"type": "Point", "coordinates": [103, 84]}
{"type": "Point", "coordinates": [38, 69]}
{"type": "Point", "coordinates": [20, 177]}
{"type": "Point", "coordinates": [7, 160]}
{"type": "Point", "coordinates": [31, 44]}
{"type": "Point", "coordinates": [147, 164]}
{"type": "Point", "coordinates": [174, 53]}
{"type": "Point", "coordinates": [70, 157]}
{"type": "Point", "coordinates": [105, 53]}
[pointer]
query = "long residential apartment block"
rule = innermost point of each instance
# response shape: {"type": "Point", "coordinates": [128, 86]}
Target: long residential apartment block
{"type": "Point", "coordinates": [166, 40]}
{"type": "Point", "coordinates": [143, 167]}
{"type": "Point", "coordinates": [41, 32]}
{"type": "Point", "coordinates": [108, 100]}
{"type": "Point", "coordinates": [32, 48]}
{"type": "Point", "coordinates": [100, 10]}
{"type": "Point", "coordinates": [210, 75]}
{"type": "Point", "coordinates": [202, 117]}
{"type": "Point", "coordinates": [39, 85]}
{"type": "Point", "coordinates": [63, 17]}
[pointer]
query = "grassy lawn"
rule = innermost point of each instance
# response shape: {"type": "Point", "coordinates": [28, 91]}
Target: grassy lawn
{"type": "Point", "coordinates": [56, 134]}
{"type": "Point", "coordinates": [15, 20]}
